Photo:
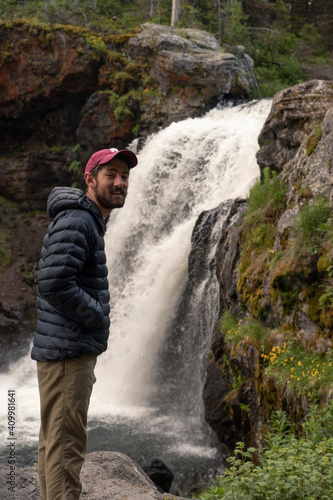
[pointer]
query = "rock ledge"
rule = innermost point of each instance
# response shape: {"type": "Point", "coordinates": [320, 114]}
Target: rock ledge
{"type": "Point", "coordinates": [105, 476]}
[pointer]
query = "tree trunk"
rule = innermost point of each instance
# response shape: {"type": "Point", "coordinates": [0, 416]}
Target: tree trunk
{"type": "Point", "coordinates": [174, 12]}
{"type": "Point", "coordinates": [219, 18]}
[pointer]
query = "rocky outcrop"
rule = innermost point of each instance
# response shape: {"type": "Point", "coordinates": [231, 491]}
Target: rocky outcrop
{"type": "Point", "coordinates": [294, 114]}
{"type": "Point", "coordinates": [191, 58]}
{"type": "Point", "coordinates": [278, 286]}
{"type": "Point", "coordinates": [104, 476]}
{"type": "Point", "coordinates": [192, 71]}
{"type": "Point", "coordinates": [47, 76]}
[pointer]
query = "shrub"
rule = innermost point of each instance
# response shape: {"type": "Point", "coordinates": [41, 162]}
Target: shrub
{"type": "Point", "coordinates": [291, 468]}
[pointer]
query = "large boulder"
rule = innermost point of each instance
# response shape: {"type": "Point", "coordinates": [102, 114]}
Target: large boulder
{"type": "Point", "coordinates": [193, 72]}
{"type": "Point", "coordinates": [105, 476]}
{"type": "Point", "coordinates": [294, 113]}
{"type": "Point", "coordinates": [187, 57]}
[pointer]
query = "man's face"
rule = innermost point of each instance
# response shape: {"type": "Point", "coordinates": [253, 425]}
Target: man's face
{"type": "Point", "coordinates": [109, 188]}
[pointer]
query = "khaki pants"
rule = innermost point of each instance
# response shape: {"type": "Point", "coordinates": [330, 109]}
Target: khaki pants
{"type": "Point", "coordinates": [65, 388]}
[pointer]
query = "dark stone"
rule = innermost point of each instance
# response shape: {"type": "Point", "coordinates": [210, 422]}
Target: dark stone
{"type": "Point", "coordinates": [160, 474]}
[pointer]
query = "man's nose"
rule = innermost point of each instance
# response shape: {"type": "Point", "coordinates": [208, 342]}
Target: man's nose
{"type": "Point", "coordinates": [118, 181]}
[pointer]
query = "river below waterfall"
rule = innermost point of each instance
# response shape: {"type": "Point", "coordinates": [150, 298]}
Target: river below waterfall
{"type": "Point", "coordinates": [185, 169]}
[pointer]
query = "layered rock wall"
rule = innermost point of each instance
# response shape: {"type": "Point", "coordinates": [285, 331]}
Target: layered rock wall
{"type": "Point", "coordinates": [284, 287]}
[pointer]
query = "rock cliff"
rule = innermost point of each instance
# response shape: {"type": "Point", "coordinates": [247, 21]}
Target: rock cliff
{"type": "Point", "coordinates": [275, 273]}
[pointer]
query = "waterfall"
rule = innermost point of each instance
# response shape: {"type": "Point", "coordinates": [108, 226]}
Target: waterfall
{"type": "Point", "coordinates": [189, 167]}
{"type": "Point", "coordinates": [154, 358]}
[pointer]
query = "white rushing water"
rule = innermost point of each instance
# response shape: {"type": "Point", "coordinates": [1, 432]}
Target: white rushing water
{"type": "Point", "coordinates": [184, 169]}
{"type": "Point", "coordinates": [189, 167]}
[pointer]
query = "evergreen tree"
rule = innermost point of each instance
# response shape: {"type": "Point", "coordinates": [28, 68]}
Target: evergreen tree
{"type": "Point", "coordinates": [322, 17]}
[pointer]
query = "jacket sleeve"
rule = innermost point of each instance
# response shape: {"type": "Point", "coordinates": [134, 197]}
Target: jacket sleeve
{"type": "Point", "coordinates": [64, 253]}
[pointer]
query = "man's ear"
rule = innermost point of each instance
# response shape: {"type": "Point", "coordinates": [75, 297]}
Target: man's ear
{"type": "Point", "coordinates": [90, 180]}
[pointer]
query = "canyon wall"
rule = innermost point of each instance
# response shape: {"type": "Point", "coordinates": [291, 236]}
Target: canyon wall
{"type": "Point", "coordinates": [275, 274]}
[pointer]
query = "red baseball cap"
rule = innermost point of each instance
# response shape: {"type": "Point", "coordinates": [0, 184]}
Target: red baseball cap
{"type": "Point", "coordinates": [105, 155]}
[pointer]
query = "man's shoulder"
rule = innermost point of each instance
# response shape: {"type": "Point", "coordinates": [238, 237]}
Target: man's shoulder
{"type": "Point", "coordinates": [75, 218]}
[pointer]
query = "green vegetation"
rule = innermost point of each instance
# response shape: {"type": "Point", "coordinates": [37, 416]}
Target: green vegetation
{"type": "Point", "coordinates": [280, 36]}
{"type": "Point", "coordinates": [288, 273]}
{"type": "Point", "coordinates": [122, 104]}
{"type": "Point", "coordinates": [291, 467]}
{"type": "Point", "coordinates": [75, 167]}
{"type": "Point", "coordinates": [7, 205]}
{"type": "Point", "coordinates": [5, 251]}
{"type": "Point", "coordinates": [313, 139]}
{"type": "Point", "coordinates": [326, 299]}
{"type": "Point", "coordinates": [293, 368]}
{"type": "Point", "coordinates": [270, 192]}
{"type": "Point", "coordinates": [303, 373]}
{"type": "Point", "coordinates": [266, 200]}
{"type": "Point", "coordinates": [247, 329]}
{"type": "Point", "coordinates": [312, 226]}
{"type": "Point", "coordinates": [290, 264]}
{"type": "Point", "coordinates": [58, 150]}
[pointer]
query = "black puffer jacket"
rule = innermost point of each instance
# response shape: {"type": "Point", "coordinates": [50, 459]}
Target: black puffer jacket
{"type": "Point", "coordinates": [72, 286]}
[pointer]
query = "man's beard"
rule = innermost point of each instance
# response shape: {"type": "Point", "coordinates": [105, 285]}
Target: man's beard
{"type": "Point", "coordinates": [105, 200]}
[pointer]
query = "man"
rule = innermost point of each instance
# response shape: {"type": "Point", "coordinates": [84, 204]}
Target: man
{"type": "Point", "coordinates": [73, 316]}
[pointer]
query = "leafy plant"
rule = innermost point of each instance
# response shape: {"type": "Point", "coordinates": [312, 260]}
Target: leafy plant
{"type": "Point", "coordinates": [76, 148]}
{"type": "Point", "coordinates": [75, 167]}
{"type": "Point", "coordinates": [120, 103]}
{"type": "Point", "coordinates": [291, 468]}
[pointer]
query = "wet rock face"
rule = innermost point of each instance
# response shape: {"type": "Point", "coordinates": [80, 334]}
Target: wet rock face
{"type": "Point", "coordinates": [44, 81]}
{"type": "Point", "coordinates": [27, 177]}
